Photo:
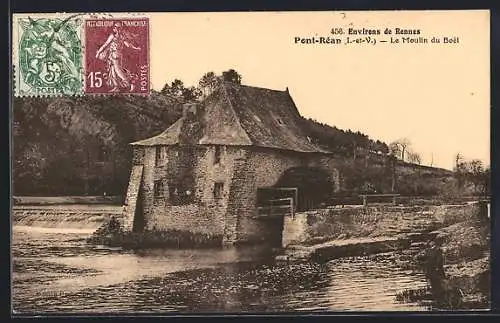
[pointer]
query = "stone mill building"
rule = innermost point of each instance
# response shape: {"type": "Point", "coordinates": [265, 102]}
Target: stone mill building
{"type": "Point", "coordinates": [230, 166]}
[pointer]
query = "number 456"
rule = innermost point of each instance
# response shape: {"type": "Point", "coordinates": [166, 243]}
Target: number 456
{"type": "Point", "coordinates": [95, 79]}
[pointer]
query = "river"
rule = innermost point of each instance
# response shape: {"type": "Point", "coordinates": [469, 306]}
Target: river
{"type": "Point", "coordinates": [55, 271]}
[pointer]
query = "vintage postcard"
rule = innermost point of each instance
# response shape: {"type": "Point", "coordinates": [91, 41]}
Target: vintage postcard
{"type": "Point", "coordinates": [250, 162]}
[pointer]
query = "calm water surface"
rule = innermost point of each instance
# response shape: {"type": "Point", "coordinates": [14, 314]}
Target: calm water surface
{"type": "Point", "coordinates": [54, 270]}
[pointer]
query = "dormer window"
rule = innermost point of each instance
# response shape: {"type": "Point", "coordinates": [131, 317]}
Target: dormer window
{"type": "Point", "coordinates": [217, 154]}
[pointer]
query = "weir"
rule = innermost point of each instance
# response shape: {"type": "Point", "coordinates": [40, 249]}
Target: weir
{"type": "Point", "coordinates": [64, 216]}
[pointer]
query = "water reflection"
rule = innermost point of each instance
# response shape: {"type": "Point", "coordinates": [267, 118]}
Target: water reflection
{"type": "Point", "coordinates": [58, 272]}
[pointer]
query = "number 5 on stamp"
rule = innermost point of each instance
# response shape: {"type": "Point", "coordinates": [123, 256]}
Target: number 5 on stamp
{"type": "Point", "coordinates": [117, 56]}
{"type": "Point", "coordinates": [49, 59]}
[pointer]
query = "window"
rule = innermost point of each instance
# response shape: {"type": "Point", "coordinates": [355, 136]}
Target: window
{"type": "Point", "coordinates": [138, 156]}
{"type": "Point", "coordinates": [158, 155]}
{"type": "Point", "coordinates": [158, 188]}
{"type": "Point", "coordinates": [218, 189]}
{"type": "Point", "coordinates": [179, 195]}
{"type": "Point", "coordinates": [217, 154]}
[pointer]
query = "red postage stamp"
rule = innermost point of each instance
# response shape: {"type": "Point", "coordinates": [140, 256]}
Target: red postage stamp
{"type": "Point", "coordinates": [117, 56]}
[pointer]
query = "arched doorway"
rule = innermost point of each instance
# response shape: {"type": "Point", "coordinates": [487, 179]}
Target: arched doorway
{"type": "Point", "coordinates": [314, 186]}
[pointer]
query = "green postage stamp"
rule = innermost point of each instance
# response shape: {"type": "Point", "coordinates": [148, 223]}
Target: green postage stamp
{"type": "Point", "coordinates": [48, 56]}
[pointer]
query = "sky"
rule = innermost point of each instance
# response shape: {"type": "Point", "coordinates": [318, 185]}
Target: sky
{"type": "Point", "coordinates": [436, 95]}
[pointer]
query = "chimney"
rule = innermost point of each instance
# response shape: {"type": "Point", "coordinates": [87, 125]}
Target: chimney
{"type": "Point", "coordinates": [189, 110]}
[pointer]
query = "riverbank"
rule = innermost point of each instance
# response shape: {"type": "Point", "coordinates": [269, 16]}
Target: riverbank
{"type": "Point", "coordinates": [456, 263]}
{"type": "Point", "coordinates": [465, 247]}
{"type": "Point", "coordinates": [330, 224]}
{"type": "Point", "coordinates": [460, 235]}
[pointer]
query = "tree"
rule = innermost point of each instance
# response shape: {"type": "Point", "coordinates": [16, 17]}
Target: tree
{"type": "Point", "coordinates": [231, 76]}
{"type": "Point", "coordinates": [394, 149]}
{"type": "Point", "coordinates": [175, 89]}
{"type": "Point", "coordinates": [208, 83]}
{"type": "Point", "coordinates": [191, 94]}
{"type": "Point", "coordinates": [414, 157]}
{"type": "Point", "coordinates": [460, 170]}
{"type": "Point", "coordinates": [458, 161]}
{"type": "Point", "coordinates": [403, 144]}
{"type": "Point", "coordinates": [475, 172]}
{"type": "Point", "coordinates": [379, 146]}
{"type": "Point", "coordinates": [486, 176]}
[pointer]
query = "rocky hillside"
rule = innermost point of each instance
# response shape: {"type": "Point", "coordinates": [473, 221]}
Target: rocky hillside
{"type": "Point", "coordinates": [79, 145]}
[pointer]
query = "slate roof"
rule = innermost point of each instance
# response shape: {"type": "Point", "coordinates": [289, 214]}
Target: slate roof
{"type": "Point", "coordinates": [245, 116]}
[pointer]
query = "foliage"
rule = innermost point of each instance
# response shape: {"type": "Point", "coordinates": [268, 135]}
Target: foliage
{"type": "Point", "coordinates": [184, 94]}
{"type": "Point", "coordinates": [400, 147]}
{"type": "Point", "coordinates": [80, 145]}
{"type": "Point", "coordinates": [414, 157]}
{"type": "Point", "coordinates": [472, 172]}
{"type": "Point", "coordinates": [359, 177]}
{"type": "Point", "coordinates": [341, 141]}
{"type": "Point", "coordinates": [208, 83]}
{"type": "Point", "coordinates": [231, 76]}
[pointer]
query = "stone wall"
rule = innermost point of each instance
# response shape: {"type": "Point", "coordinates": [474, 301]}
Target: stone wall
{"type": "Point", "coordinates": [131, 197]}
{"type": "Point", "coordinates": [240, 171]}
{"type": "Point", "coordinates": [262, 168]}
{"type": "Point", "coordinates": [204, 212]}
{"type": "Point", "coordinates": [258, 168]}
{"type": "Point", "coordinates": [372, 221]}
{"type": "Point", "coordinates": [147, 185]}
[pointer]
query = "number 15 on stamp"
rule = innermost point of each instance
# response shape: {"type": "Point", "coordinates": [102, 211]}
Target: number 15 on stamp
{"type": "Point", "coordinates": [117, 56]}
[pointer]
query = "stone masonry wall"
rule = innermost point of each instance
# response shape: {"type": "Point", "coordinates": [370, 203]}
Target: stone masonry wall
{"type": "Point", "coordinates": [147, 187]}
{"type": "Point", "coordinates": [264, 168]}
{"type": "Point", "coordinates": [131, 197]}
{"type": "Point", "coordinates": [205, 213]}
{"type": "Point", "coordinates": [373, 221]}
{"type": "Point", "coordinates": [241, 171]}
